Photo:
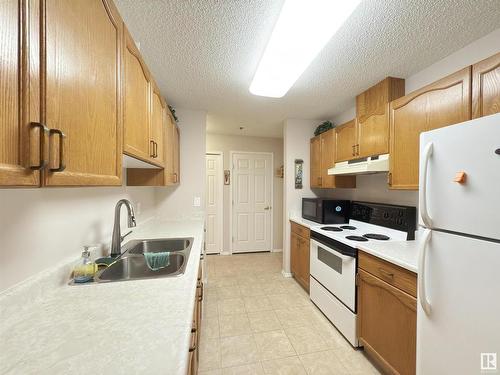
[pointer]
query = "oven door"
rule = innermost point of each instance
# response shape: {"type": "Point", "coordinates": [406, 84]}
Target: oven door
{"type": "Point", "coordinates": [335, 271]}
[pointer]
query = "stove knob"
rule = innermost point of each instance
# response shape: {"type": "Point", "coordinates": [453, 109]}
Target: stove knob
{"type": "Point", "coordinates": [386, 215]}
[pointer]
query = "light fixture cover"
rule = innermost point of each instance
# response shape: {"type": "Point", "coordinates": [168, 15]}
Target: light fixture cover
{"type": "Point", "coordinates": [302, 30]}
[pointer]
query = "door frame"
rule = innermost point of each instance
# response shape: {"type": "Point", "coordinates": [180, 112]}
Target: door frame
{"type": "Point", "coordinates": [220, 189]}
{"type": "Point", "coordinates": [231, 211]}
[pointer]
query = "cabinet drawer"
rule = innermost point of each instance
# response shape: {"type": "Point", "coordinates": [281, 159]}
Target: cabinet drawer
{"type": "Point", "coordinates": [300, 230]}
{"type": "Point", "coordinates": [390, 273]}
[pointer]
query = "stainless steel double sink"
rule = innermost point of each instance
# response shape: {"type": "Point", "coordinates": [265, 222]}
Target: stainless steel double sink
{"type": "Point", "coordinates": [131, 265]}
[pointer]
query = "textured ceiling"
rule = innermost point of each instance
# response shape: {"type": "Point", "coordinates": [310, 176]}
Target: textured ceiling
{"type": "Point", "coordinates": [203, 53]}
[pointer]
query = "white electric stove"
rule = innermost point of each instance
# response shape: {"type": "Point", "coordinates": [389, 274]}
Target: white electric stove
{"type": "Point", "coordinates": [333, 257]}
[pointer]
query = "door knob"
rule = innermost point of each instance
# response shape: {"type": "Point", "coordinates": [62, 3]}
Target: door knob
{"type": "Point", "coordinates": [267, 208]}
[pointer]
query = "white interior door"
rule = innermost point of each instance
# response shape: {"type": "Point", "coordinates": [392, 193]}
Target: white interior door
{"type": "Point", "coordinates": [213, 238]}
{"type": "Point", "coordinates": [251, 200]}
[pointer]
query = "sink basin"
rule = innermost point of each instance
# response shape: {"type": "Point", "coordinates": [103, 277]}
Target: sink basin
{"type": "Point", "coordinates": [131, 265]}
{"type": "Point", "coordinates": [157, 245]}
{"type": "Point", "coordinates": [135, 268]}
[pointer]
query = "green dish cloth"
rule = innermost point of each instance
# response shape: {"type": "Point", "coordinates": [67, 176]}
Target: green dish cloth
{"type": "Point", "coordinates": [156, 261]}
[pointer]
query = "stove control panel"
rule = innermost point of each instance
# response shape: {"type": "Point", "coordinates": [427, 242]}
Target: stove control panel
{"type": "Point", "coordinates": [403, 218]}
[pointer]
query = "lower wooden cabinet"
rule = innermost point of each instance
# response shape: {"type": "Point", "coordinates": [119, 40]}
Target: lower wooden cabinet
{"type": "Point", "coordinates": [387, 317]}
{"type": "Point", "coordinates": [299, 254]}
{"type": "Point", "coordinates": [194, 348]}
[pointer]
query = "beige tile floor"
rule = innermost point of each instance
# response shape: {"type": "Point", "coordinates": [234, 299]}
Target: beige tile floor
{"type": "Point", "coordinates": [255, 322]}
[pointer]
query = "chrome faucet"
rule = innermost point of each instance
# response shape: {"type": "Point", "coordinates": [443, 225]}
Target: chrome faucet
{"type": "Point", "coordinates": [116, 242]}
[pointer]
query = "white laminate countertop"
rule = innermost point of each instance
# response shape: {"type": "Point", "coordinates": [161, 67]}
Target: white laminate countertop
{"type": "Point", "coordinates": [130, 327]}
{"type": "Point", "coordinates": [401, 253]}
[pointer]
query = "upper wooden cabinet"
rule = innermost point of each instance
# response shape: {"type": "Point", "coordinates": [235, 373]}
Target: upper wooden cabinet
{"type": "Point", "coordinates": [157, 127]}
{"type": "Point", "coordinates": [345, 140]}
{"type": "Point", "coordinates": [372, 113]}
{"type": "Point", "coordinates": [137, 103]}
{"type": "Point", "coordinates": [323, 158]}
{"type": "Point", "coordinates": [486, 87]}
{"type": "Point", "coordinates": [315, 158]}
{"type": "Point", "coordinates": [443, 103]}
{"type": "Point", "coordinates": [20, 156]}
{"type": "Point", "coordinates": [170, 174]}
{"type": "Point", "coordinates": [82, 105]}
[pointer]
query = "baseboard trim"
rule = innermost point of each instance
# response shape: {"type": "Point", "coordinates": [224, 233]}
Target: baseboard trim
{"type": "Point", "coordinates": [286, 274]}
{"type": "Point", "coordinates": [276, 250]}
{"type": "Point", "coordinates": [225, 253]}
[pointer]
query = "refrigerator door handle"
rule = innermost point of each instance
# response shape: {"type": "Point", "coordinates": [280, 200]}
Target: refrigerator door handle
{"type": "Point", "coordinates": [422, 293]}
{"type": "Point", "coordinates": [424, 213]}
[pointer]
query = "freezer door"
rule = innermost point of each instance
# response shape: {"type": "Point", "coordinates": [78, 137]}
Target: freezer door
{"type": "Point", "coordinates": [472, 205]}
{"type": "Point", "coordinates": [462, 284]}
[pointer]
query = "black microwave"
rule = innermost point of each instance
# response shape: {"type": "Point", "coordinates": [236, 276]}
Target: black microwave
{"type": "Point", "coordinates": [326, 211]}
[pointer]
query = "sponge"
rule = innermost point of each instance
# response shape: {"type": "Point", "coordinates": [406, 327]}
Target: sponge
{"type": "Point", "coordinates": [156, 261]}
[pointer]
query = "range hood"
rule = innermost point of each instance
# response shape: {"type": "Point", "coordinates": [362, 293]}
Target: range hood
{"type": "Point", "coordinates": [372, 164]}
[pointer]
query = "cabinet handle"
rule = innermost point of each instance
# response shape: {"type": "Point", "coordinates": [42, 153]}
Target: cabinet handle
{"type": "Point", "coordinates": [200, 286]}
{"type": "Point", "coordinates": [152, 148]}
{"type": "Point", "coordinates": [385, 273]}
{"type": "Point", "coordinates": [156, 150]}
{"type": "Point", "coordinates": [62, 165]}
{"type": "Point", "coordinates": [357, 149]}
{"type": "Point", "coordinates": [320, 181]}
{"type": "Point", "coordinates": [175, 177]}
{"type": "Point", "coordinates": [44, 131]}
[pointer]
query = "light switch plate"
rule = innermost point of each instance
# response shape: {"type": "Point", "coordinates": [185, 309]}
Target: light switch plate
{"type": "Point", "coordinates": [196, 202]}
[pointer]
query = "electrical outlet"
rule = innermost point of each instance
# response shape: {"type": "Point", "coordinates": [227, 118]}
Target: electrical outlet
{"type": "Point", "coordinates": [196, 202]}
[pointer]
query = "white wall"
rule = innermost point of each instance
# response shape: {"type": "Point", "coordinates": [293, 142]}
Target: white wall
{"type": "Point", "coordinates": [177, 202]}
{"type": "Point", "coordinates": [43, 227]}
{"type": "Point", "coordinates": [227, 143]}
{"type": "Point", "coordinates": [296, 135]}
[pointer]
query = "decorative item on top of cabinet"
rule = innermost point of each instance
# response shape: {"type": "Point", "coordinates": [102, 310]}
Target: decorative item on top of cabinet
{"type": "Point", "coordinates": [442, 103]}
{"type": "Point", "coordinates": [486, 87]}
{"type": "Point", "coordinates": [23, 145]}
{"type": "Point", "coordinates": [323, 158]}
{"type": "Point", "coordinates": [387, 314]}
{"type": "Point", "coordinates": [299, 254]}
{"type": "Point", "coordinates": [85, 119]}
{"type": "Point", "coordinates": [372, 113]}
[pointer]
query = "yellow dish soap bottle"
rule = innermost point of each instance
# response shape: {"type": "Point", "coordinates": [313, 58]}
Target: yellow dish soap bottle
{"type": "Point", "coordinates": [85, 269]}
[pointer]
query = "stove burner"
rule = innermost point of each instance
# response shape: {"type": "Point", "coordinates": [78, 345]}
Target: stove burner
{"type": "Point", "coordinates": [349, 227]}
{"type": "Point", "coordinates": [357, 238]}
{"type": "Point", "coordinates": [376, 236]}
{"type": "Point", "coordinates": [332, 229]}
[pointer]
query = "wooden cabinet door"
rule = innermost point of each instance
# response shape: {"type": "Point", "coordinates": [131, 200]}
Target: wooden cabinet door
{"type": "Point", "coordinates": [82, 97]}
{"type": "Point", "coordinates": [315, 170]}
{"type": "Point", "coordinates": [345, 141]}
{"type": "Point", "coordinates": [157, 131]}
{"type": "Point", "coordinates": [486, 87]}
{"type": "Point", "coordinates": [327, 156]}
{"type": "Point", "coordinates": [176, 157]}
{"type": "Point", "coordinates": [372, 112]}
{"type": "Point", "coordinates": [170, 134]}
{"type": "Point", "coordinates": [137, 93]}
{"type": "Point", "coordinates": [19, 95]}
{"type": "Point", "coordinates": [445, 102]}
{"type": "Point", "coordinates": [387, 324]}
{"type": "Point", "coordinates": [327, 148]}
{"type": "Point", "coordinates": [294, 254]}
{"type": "Point", "coordinates": [304, 262]}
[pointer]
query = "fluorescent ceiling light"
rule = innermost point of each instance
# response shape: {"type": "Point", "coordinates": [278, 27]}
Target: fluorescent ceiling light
{"type": "Point", "coordinates": [303, 29]}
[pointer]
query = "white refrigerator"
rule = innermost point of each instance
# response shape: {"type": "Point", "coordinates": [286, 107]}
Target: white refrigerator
{"type": "Point", "coordinates": [458, 310]}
